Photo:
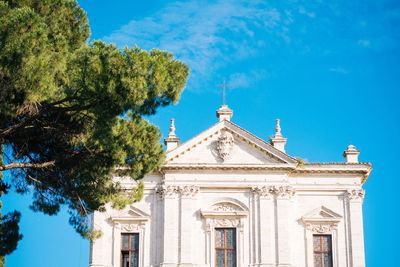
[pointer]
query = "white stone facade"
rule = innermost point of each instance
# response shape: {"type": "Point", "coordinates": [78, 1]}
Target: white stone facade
{"type": "Point", "coordinates": [227, 177]}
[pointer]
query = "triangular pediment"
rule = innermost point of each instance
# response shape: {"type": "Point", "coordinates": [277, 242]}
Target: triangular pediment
{"type": "Point", "coordinates": [225, 143]}
{"type": "Point", "coordinates": [131, 213]}
{"type": "Point", "coordinates": [321, 214]}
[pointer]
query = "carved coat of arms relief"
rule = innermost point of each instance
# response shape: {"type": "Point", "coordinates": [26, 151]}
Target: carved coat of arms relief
{"type": "Point", "coordinates": [225, 145]}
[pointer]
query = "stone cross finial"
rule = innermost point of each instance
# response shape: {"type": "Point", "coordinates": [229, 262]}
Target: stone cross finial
{"type": "Point", "coordinates": [223, 85]}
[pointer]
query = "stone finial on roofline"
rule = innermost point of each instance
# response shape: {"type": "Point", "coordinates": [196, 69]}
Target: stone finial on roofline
{"type": "Point", "coordinates": [172, 141]}
{"type": "Point", "coordinates": [278, 141]}
{"type": "Point", "coordinates": [351, 154]}
{"type": "Point", "coordinates": [224, 113]}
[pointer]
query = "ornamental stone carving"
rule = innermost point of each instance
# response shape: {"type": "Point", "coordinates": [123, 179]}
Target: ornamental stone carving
{"type": "Point", "coordinates": [129, 227]}
{"type": "Point", "coordinates": [225, 207]}
{"type": "Point", "coordinates": [355, 194]}
{"type": "Point", "coordinates": [225, 145]}
{"type": "Point", "coordinates": [172, 191]}
{"type": "Point", "coordinates": [322, 228]}
{"type": "Point", "coordinates": [231, 222]}
{"type": "Point", "coordinates": [283, 192]}
{"type": "Point", "coordinates": [188, 191]}
{"type": "Point", "coordinates": [263, 191]}
{"type": "Point", "coordinates": [167, 191]}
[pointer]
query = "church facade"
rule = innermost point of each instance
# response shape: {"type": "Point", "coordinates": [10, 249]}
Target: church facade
{"type": "Point", "coordinates": [227, 198]}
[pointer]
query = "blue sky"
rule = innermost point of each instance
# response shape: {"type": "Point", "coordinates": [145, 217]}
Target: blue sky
{"type": "Point", "coordinates": [328, 69]}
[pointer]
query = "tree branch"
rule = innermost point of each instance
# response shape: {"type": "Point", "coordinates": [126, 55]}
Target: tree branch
{"type": "Point", "coordinates": [27, 165]}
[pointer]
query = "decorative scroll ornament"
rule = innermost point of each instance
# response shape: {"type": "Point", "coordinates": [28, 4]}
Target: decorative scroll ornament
{"type": "Point", "coordinates": [225, 145]}
{"type": "Point", "coordinates": [167, 191]}
{"type": "Point", "coordinates": [129, 227]}
{"type": "Point", "coordinates": [188, 190]}
{"type": "Point", "coordinates": [225, 207]}
{"type": "Point", "coordinates": [285, 192]}
{"type": "Point", "coordinates": [322, 228]}
{"type": "Point", "coordinates": [356, 194]}
{"type": "Point", "coordinates": [232, 222]}
{"type": "Point", "coordinates": [263, 191]}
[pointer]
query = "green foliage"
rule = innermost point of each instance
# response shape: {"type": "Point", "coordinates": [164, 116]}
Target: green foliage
{"type": "Point", "coordinates": [300, 162]}
{"type": "Point", "coordinates": [71, 112]}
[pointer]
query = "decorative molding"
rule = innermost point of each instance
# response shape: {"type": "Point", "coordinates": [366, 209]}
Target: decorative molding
{"type": "Point", "coordinates": [167, 191]}
{"type": "Point", "coordinates": [188, 191]}
{"type": "Point", "coordinates": [130, 227]}
{"type": "Point", "coordinates": [321, 216]}
{"type": "Point", "coordinates": [282, 192]}
{"type": "Point", "coordinates": [224, 214]}
{"type": "Point", "coordinates": [225, 145]}
{"type": "Point", "coordinates": [322, 228]}
{"type": "Point", "coordinates": [226, 207]}
{"type": "Point", "coordinates": [263, 191]}
{"type": "Point", "coordinates": [132, 220]}
{"type": "Point", "coordinates": [355, 194]}
{"type": "Point", "coordinates": [238, 133]}
{"type": "Point", "coordinates": [321, 221]}
{"type": "Point", "coordinates": [224, 222]}
{"type": "Point", "coordinates": [172, 191]}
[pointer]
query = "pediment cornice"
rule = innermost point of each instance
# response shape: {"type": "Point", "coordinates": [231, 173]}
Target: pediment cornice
{"type": "Point", "coordinates": [239, 134]}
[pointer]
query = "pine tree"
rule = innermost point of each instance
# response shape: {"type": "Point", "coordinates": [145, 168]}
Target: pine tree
{"type": "Point", "coordinates": [71, 112]}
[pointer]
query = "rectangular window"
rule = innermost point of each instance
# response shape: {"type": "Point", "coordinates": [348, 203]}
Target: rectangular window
{"type": "Point", "coordinates": [129, 250]}
{"type": "Point", "coordinates": [225, 247]}
{"type": "Point", "coordinates": [322, 250]}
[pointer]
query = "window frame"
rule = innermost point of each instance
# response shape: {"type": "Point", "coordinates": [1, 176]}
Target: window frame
{"type": "Point", "coordinates": [126, 226]}
{"type": "Point", "coordinates": [323, 252]}
{"type": "Point", "coordinates": [226, 213]}
{"type": "Point", "coordinates": [225, 248]}
{"type": "Point", "coordinates": [316, 224]}
{"type": "Point", "coordinates": [130, 250]}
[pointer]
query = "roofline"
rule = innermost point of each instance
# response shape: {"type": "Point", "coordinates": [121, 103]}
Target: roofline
{"type": "Point", "coordinates": [276, 152]}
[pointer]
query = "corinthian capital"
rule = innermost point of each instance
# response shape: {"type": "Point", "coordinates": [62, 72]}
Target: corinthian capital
{"type": "Point", "coordinates": [284, 192]}
{"type": "Point", "coordinates": [355, 194]}
{"type": "Point", "coordinates": [167, 191]}
{"type": "Point", "coordinates": [263, 191]}
{"type": "Point", "coordinates": [188, 191]}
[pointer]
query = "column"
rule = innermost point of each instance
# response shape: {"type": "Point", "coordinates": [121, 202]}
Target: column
{"type": "Point", "coordinates": [187, 217]}
{"type": "Point", "coordinates": [169, 195]}
{"type": "Point", "coordinates": [356, 232]}
{"type": "Point", "coordinates": [283, 196]}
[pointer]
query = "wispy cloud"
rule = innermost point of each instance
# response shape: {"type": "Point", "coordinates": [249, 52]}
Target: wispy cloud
{"type": "Point", "coordinates": [247, 79]}
{"type": "Point", "coordinates": [364, 43]}
{"type": "Point", "coordinates": [339, 70]}
{"type": "Point", "coordinates": [302, 10]}
{"type": "Point", "coordinates": [205, 35]}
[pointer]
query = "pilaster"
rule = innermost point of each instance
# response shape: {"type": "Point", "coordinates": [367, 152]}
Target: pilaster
{"type": "Point", "coordinates": [283, 197]}
{"type": "Point", "coordinates": [264, 234]}
{"type": "Point", "coordinates": [188, 194]}
{"type": "Point", "coordinates": [169, 196]}
{"type": "Point", "coordinates": [354, 200]}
